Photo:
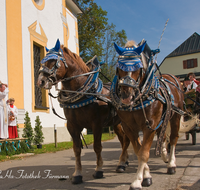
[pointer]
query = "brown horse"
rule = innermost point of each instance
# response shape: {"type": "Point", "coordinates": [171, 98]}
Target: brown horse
{"type": "Point", "coordinates": [82, 111]}
{"type": "Point", "coordinates": [143, 101]}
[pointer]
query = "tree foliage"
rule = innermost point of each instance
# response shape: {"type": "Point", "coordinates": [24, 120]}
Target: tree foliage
{"type": "Point", "coordinates": [110, 55]}
{"type": "Point", "coordinates": [38, 137]}
{"type": "Point", "coordinates": [91, 26]}
{"type": "Point", "coordinates": [96, 37]}
{"type": "Point", "coordinates": [28, 130]}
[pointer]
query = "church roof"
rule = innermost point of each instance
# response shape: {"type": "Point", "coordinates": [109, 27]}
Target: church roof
{"type": "Point", "coordinates": [191, 45]}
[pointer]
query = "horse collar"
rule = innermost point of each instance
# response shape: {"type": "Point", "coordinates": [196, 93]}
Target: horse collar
{"type": "Point", "coordinates": [76, 100]}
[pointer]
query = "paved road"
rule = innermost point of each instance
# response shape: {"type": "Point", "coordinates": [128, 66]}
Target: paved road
{"type": "Point", "coordinates": [40, 171]}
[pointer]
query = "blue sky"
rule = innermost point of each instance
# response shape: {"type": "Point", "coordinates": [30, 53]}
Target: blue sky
{"type": "Point", "coordinates": [145, 19]}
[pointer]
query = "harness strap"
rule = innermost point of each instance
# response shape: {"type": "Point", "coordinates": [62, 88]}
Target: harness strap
{"type": "Point", "coordinates": [145, 116]}
{"type": "Point", "coordinates": [54, 111]}
{"type": "Point", "coordinates": [167, 115]}
{"type": "Point", "coordinates": [84, 74]}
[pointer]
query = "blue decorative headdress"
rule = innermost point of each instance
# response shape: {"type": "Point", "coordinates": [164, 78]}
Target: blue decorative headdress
{"type": "Point", "coordinates": [129, 58]}
{"type": "Point", "coordinates": [53, 53]}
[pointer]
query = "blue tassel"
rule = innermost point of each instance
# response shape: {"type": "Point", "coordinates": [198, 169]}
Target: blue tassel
{"type": "Point", "coordinates": [0, 146]}
{"type": "Point", "coordinates": [18, 145]}
{"type": "Point", "coordinates": [13, 145]}
{"type": "Point", "coordinates": [6, 146]}
{"type": "Point", "coordinates": [27, 144]}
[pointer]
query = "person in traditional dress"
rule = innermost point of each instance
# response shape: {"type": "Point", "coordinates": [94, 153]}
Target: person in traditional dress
{"type": "Point", "coordinates": [12, 122]}
{"type": "Point", "coordinates": [190, 92]}
{"type": "Point", "coordinates": [192, 86]}
{"type": "Point", "coordinates": [3, 111]}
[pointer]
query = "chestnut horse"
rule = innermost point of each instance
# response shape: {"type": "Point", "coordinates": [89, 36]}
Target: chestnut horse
{"type": "Point", "coordinates": [146, 103]}
{"type": "Point", "coordinates": [82, 111]}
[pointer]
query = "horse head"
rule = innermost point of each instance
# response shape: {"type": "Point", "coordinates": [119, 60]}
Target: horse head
{"type": "Point", "coordinates": [58, 64]}
{"type": "Point", "coordinates": [131, 66]}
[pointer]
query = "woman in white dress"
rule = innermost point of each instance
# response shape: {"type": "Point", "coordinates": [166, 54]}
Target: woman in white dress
{"type": "Point", "coordinates": [12, 123]}
{"type": "Point", "coordinates": [3, 111]}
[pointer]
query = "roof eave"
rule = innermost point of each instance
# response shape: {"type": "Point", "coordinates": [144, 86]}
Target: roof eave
{"type": "Point", "coordinates": [74, 6]}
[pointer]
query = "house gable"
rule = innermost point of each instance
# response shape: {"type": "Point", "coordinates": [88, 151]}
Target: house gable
{"type": "Point", "coordinates": [191, 45]}
{"type": "Point", "coordinates": [184, 59]}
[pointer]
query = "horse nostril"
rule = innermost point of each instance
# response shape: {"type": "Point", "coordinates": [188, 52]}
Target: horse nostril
{"type": "Point", "coordinates": [42, 83]}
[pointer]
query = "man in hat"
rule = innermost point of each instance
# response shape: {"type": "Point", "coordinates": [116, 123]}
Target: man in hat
{"type": "Point", "coordinates": [3, 111]}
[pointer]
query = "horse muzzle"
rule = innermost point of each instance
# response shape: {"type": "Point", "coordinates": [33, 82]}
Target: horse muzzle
{"type": "Point", "coordinates": [43, 82]}
{"type": "Point", "coordinates": [129, 82]}
{"type": "Point", "coordinates": [127, 87]}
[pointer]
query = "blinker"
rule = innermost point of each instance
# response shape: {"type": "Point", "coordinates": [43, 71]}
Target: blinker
{"type": "Point", "coordinates": [128, 81]}
{"type": "Point", "coordinates": [129, 58]}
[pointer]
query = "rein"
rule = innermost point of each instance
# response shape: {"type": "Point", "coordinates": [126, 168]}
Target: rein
{"type": "Point", "coordinates": [76, 76]}
{"type": "Point", "coordinates": [83, 93]}
{"type": "Point", "coordinates": [54, 111]}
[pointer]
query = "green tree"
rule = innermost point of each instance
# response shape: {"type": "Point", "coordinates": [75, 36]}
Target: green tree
{"type": "Point", "coordinates": [38, 138]}
{"type": "Point", "coordinates": [96, 37]}
{"type": "Point", "coordinates": [110, 56]}
{"type": "Point", "coordinates": [28, 130]}
{"type": "Point", "coordinates": [91, 27]}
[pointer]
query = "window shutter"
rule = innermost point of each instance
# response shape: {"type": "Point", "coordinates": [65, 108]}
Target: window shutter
{"type": "Point", "coordinates": [195, 62]}
{"type": "Point", "coordinates": [185, 64]}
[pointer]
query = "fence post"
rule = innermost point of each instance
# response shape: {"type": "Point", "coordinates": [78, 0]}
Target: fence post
{"type": "Point", "coordinates": [55, 135]}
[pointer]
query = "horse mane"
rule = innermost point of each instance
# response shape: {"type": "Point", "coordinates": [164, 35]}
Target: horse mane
{"type": "Point", "coordinates": [132, 43]}
{"type": "Point", "coordinates": [76, 58]}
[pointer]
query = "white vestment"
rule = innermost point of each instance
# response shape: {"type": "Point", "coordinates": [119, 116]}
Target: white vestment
{"type": "Point", "coordinates": [15, 112]}
{"type": "Point", "coordinates": [3, 117]}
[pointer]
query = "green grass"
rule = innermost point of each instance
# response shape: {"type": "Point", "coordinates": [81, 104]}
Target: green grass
{"type": "Point", "coordinates": [48, 148]}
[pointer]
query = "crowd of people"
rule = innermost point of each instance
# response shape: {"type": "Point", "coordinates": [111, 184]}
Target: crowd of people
{"type": "Point", "coordinates": [8, 114]}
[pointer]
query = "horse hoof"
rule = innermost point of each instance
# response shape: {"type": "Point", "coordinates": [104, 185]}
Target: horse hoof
{"type": "Point", "coordinates": [120, 169]}
{"type": "Point", "coordinates": [98, 174]}
{"type": "Point", "coordinates": [171, 170]}
{"type": "Point", "coordinates": [147, 182]}
{"type": "Point", "coordinates": [126, 163]}
{"type": "Point", "coordinates": [77, 179]}
{"type": "Point", "coordinates": [135, 188]}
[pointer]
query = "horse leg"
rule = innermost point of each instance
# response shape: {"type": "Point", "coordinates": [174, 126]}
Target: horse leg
{"type": "Point", "coordinates": [124, 140]}
{"type": "Point", "coordinates": [164, 153]}
{"type": "Point", "coordinates": [143, 176]}
{"type": "Point", "coordinates": [164, 146]}
{"type": "Point", "coordinates": [98, 148]}
{"type": "Point", "coordinates": [75, 134]}
{"type": "Point", "coordinates": [174, 122]}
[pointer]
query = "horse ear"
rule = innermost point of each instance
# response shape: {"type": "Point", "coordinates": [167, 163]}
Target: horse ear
{"type": "Point", "coordinates": [57, 46]}
{"type": "Point", "coordinates": [46, 49]}
{"type": "Point", "coordinates": [118, 49]}
{"type": "Point", "coordinates": [140, 49]}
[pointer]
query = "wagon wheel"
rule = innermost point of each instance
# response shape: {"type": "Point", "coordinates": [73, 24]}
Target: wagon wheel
{"type": "Point", "coordinates": [193, 137]}
{"type": "Point", "coordinates": [187, 136]}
